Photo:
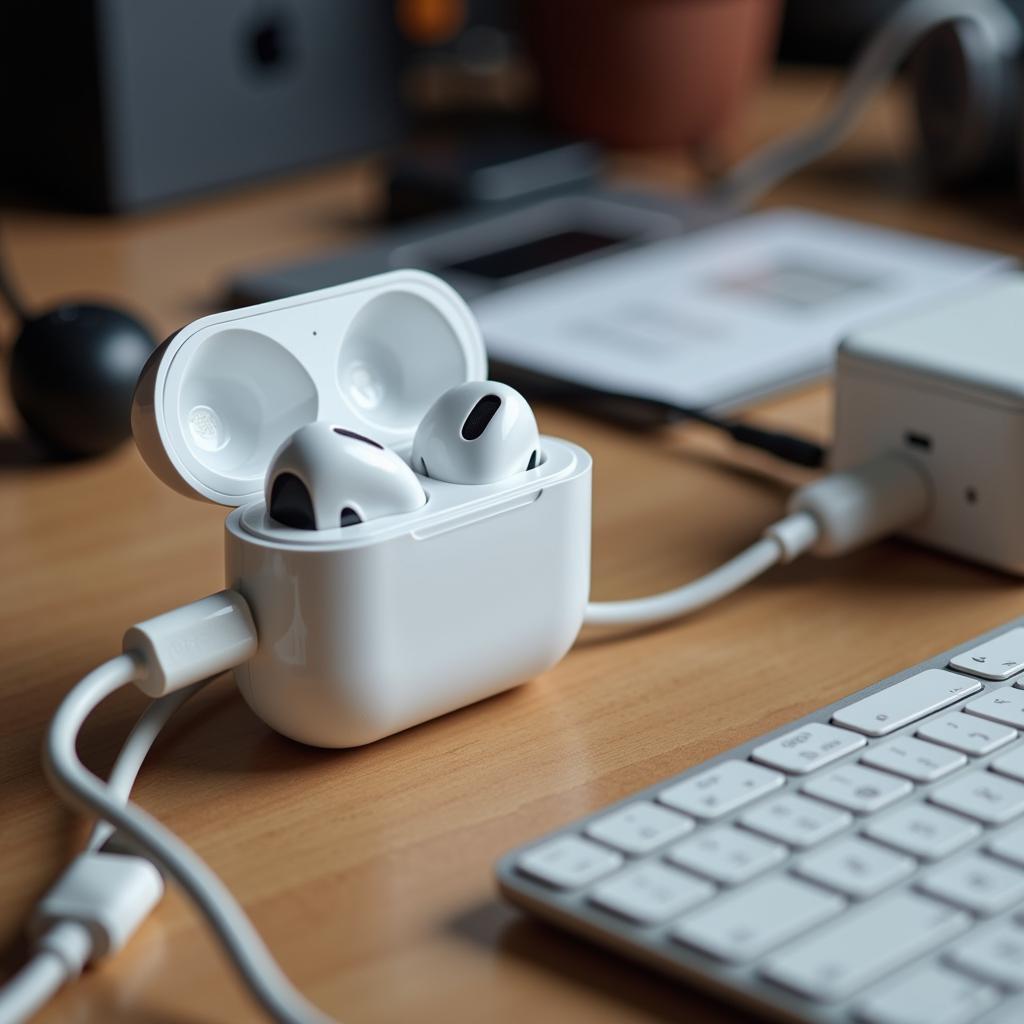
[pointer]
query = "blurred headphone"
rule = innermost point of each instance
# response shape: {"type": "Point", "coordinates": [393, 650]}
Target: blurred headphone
{"type": "Point", "coordinates": [966, 81]}
{"type": "Point", "coordinates": [73, 370]}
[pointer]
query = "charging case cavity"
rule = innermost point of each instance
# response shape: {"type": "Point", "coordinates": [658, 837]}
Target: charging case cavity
{"type": "Point", "coordinates": [372, 628]}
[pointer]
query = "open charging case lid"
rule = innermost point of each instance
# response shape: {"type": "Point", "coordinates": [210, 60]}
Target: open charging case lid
{"type": "Point", "coordinates": [218, 398]}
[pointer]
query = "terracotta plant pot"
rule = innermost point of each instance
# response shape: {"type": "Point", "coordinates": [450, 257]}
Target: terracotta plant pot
{"type": "Point", "coordinates": [650, 72]}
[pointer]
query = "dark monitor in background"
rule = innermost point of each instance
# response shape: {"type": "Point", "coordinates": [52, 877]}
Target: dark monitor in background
{"type": "Point", "coordinates": [120, 104]}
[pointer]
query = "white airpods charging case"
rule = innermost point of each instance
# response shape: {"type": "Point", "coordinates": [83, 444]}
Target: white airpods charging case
{"type": "Point", "coordinates": [368, 629]}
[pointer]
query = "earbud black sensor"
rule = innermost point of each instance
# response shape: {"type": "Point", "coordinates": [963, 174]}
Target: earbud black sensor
{"type": "Point", "coordinates": [291, 504]}
{"type": "Point", "coordinates": [357, 437]}
{"type": "Point", "coordinates": [479, 416]}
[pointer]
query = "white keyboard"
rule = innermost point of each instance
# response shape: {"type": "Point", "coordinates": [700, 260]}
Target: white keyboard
{"type": "Point", "coordinates": [863, 864]}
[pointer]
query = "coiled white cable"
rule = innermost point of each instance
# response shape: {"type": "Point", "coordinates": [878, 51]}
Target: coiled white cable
{"type": "Point", "coordinates": [873, 68]}
{"type": "Point", "coordinates": [81, 788]}
{"type": "Point", "coordinates": [63, 950]}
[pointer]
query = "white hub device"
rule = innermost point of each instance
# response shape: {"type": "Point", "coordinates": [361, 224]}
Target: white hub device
{"type": "Point", "coordinates": [369, 628]}
{"type": "Point", "coordinates": [945, 385]}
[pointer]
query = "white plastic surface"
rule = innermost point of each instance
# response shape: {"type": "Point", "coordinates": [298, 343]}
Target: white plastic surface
{"type": "Point", "coordinates": [971, 343]}
{"type": "Point", "coordinates": [946, 388]}
{"type": "Point", "coordinates": [369, 629]}
{"type": "Point", "coordinates": [219, 397]}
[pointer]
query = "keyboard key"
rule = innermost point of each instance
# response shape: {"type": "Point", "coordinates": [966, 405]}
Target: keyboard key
{"type": "Point", "coordinates": [904, 702]}
{"type": "Point", "coordinates": [568, 862]}
{"type": "Point", "coordinates": [807, 748]}
{"type": "Point", "coordinates": [721, 789]}
{"type": "Point", "coordinates": [995, 953]}
{"type": "Point", "coordinates": [995, 659]}
{"type": "Point", "coordinates": [922, 831]}
{"type": "Point", "coordinates": [975, 882]}
{"type": "Point", "coordinates": [747, 922]}
{"type": "Point", "coordinates": [914, 759]}
{"type": "Point", "coordinates": [856, 867]}
{"type": "Point", "coordinates": [1011, 763]}
{"type": "Point", "coordinates": [858, 789]}
{"type": "Point", "coordinates": [640, 827]}
{"type": "Point", "coordinates": [930, 994]}
{"type": "Point", "coordinates": [727, 854]}
{"type": "Point", "coordinates": [966, 734]}
{"type": "Point", "coordinates": [846, 955]}
{"type": "Point", "coordinates": [1009, 844]}
{"type": "Point", "coordinates": [988, 798]}
{"type": "Point", "coordinates": [1005, 705]}
{"type": "Point", "coordinates": [649, 893]}
{"type": "Point", "coordinates": [795, 820]}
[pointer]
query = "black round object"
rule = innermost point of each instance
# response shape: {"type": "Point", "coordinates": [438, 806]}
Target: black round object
{"type": "Point", "coordinates": [73, 371]}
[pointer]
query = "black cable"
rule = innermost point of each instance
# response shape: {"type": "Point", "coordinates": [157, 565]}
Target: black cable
{"type": "Point", "coordinates": [783, 445]}
{"type": "Point", "coordinates": [786, 446]}
{"type": "Point", "coordinates": [639, 412]}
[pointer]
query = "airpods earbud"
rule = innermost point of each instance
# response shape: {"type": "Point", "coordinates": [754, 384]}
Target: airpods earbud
{"type": "Point", "coordinates": [324, 477]}
{"type": "Point", "coordinates": [477, 433]}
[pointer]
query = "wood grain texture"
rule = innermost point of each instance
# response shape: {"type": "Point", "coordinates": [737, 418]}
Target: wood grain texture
{"type": "Point", "coordinates": [369, 871]}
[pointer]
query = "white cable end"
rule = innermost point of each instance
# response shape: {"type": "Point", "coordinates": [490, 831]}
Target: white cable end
{"type": "Point", "coordinates": [193, 642]}
{"type": "Point", "coordinates": [795, 534]}
{"type": "Point", "coordinates": [857, 506]}
{"type": "Point", "coordinates": [107, 894]}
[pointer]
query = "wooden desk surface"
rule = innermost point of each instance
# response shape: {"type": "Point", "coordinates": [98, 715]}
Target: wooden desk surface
{"type": "Point", "coordinates": [369, 871]}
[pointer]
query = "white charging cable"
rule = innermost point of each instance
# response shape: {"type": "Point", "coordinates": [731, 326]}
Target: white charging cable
{"type": "Point", "coordinates": [105, 894]}
{"type": "Point", "coordinates": [58, 958]}
{"type": "Point", "coordinates": [745, 183]}
{"type": "Point", "coordinates": [63, 945]}
{"type": "Point", "coordinates": [79, 787]}
{"type": "Point", "coordinates": [134, 752]}
{"type": "Point", "coordinates": [685, 600]}
{"type": "Point", "coordinates": [109, 890]}
{"type": "Point", "coordinates": [831, 516]}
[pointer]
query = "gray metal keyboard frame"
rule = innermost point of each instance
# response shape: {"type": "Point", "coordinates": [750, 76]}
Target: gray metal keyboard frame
{"type": "Point", "coordinates": [653, 945]}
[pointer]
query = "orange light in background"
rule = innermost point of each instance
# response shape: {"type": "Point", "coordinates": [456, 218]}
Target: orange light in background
{"type": "Point", "coordinates": [430, 22]}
